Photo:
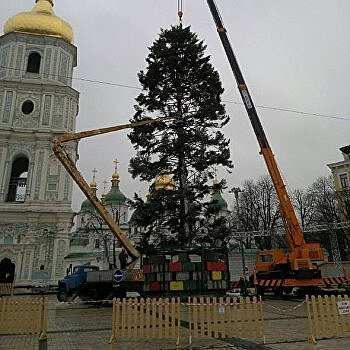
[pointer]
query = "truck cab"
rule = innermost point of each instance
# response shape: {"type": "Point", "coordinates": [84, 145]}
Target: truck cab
{"type": "Point", "coordinates": [70, 283]}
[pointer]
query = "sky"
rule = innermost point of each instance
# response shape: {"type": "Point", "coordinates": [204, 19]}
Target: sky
{"type": "Point", "coordinates": [294, 55]}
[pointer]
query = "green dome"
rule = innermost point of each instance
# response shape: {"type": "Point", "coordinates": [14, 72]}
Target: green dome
{"type": "Point", "coordinates": [87, 206]}
{"type": "Point", "coordinates": [217, 202]}
{"type": "Point", "coordinates": [114, 197]}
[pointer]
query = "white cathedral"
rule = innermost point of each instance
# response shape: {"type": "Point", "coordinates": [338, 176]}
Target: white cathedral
{"type": "Point", "coordinates": [37, 102]}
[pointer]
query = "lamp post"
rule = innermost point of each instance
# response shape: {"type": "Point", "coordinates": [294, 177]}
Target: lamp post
{"type": "Point", "coordinates": [236, 191]}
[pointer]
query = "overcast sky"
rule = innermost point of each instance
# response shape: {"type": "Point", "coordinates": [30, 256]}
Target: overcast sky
{"type": "Point", "coordinates": [294, 54]}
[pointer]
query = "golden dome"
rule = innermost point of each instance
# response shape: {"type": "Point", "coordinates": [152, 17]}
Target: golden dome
{"type": "Point", "coordinates": [164, 182]}
{"type": "Point", "coordinates": [115, 179]}
{"type": "Point", "coordinates": [40, 20]}
{"type": "Point", "coordinates": [93, 185]}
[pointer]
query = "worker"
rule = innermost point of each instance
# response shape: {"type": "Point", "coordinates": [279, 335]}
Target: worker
{"type": "Point", "coordinates": [123, 258]}
{"type": "Point", "coordinates": [242, 283]}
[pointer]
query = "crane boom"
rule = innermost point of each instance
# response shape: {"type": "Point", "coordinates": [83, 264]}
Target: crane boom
{"type": "Point", "coordinates": [70, 166]}
{"type": "Point", "coordinates": [294, 234]}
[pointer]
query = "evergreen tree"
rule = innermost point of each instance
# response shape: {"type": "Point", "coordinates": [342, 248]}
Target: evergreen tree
{"type": "Point", "coordinates": [179, 81]}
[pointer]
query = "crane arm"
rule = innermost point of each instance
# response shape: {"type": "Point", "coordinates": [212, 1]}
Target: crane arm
{"type": "Point", "coordinates": [88, 133]}
{"type": "Point", "coordinates": [70, 166]}
{"type": "Point", "coordinates": [294, 234]}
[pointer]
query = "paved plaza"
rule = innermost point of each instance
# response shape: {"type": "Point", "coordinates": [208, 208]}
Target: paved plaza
{"type": "Point", "coordinates": [79, 326]}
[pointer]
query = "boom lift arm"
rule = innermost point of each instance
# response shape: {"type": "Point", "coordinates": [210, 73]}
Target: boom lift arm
{"type": "Point", "coordinates": [70, 166]}
{"type": "Point", "coordinates": [299, 249]}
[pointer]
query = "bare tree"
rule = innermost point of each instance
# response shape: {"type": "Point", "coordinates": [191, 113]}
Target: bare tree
{"type": "Point", "coordinates": [304, 203]}
{"type": "Point", "coordinates": [259, 210]}
{"type": "Point", "coordinates": [327, 212]}
{"type": "Point", "coordinates": [317, 206]}
{"type": "Point", "coordinates": [323, 194]}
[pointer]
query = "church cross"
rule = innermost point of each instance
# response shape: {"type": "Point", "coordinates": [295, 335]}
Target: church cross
{"type": "Point", "coordinates": [104, 185]}
{"type": "Point", "coordinates": [94, 171]}
{"type": "Point", "coordinates": [116, 164]}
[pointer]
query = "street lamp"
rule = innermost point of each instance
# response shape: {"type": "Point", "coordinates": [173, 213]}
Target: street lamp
{"type": "Point", "coordinates": [236, 191]}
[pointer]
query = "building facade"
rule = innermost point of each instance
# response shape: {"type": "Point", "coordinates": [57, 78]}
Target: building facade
{"type": "Point", "coordinates": [37, 102]}
{"type": "Point", "coordinates": [341, 177]}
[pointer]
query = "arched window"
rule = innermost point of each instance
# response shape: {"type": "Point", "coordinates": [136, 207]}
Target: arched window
{"type": "Point", "coordinates": [33, 65]}
{"type": "Point", "coordinates": [18, 180]}
{"type": "Point", "coordinates": [7, 271]}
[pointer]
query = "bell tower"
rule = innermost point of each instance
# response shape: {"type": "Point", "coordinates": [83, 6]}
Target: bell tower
{"type": "Point", "coordinates": [37, 102]}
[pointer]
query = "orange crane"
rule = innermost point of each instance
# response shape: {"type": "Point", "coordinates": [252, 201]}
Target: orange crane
{"type": "Point", "coordinates": [275, 268]}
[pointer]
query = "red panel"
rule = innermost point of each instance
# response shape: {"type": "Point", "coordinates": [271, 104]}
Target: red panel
{"type": "Point", "coordinates": [146, 269]}
{"type": "Point", "coordinates": [175, 267]}
{"type": "Point", "coordinates": [215, 266]}
{"type": "Point", "coordinates": [154, 286]}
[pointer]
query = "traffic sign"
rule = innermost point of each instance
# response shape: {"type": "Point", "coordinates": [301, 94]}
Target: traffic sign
{"type": "Point", "coordinates": [118, 276]}
{"type": "Point", "coordinates": [343, 307]}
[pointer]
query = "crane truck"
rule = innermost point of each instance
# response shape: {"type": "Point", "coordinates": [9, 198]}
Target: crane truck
{"type": "Point", "coordinates": [276, 269]}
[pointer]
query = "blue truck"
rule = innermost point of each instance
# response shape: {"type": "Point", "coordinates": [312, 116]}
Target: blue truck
{"type": "Point", "coordinates": [88, 282]}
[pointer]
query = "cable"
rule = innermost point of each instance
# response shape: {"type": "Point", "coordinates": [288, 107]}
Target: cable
{"type": "Point", "coordinates": [80, 79]}
{"type": "Point", "coordinates": [107, 83]}
{"type": "Point", "coordinates": [225, 101]}
{"type": "Point", "coordinates": [292, 111]}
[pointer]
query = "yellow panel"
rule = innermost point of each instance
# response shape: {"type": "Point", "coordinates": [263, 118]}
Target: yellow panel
{"type": "Point", "coordinates": [216, 275]}
{"type": "Point", "coordinates": [176, 285]}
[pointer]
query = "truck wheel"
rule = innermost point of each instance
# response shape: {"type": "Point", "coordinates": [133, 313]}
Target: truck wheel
{"type": "Point", "coordinates": [278, 291]}
{"type": "Point", "coordinates": [120, 294]}
{"type": "Point", "coordinates": [93, 294]}
{"type": "Point", "coordinates": [63, 295]}
{"type": "Point", "coordinates": [288, 290]}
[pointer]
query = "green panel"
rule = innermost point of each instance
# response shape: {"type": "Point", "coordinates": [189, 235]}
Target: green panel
{"type": "Point", "coordinates": [150, 277]}
{"type": "Point", "coordinates": [189, 266]}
